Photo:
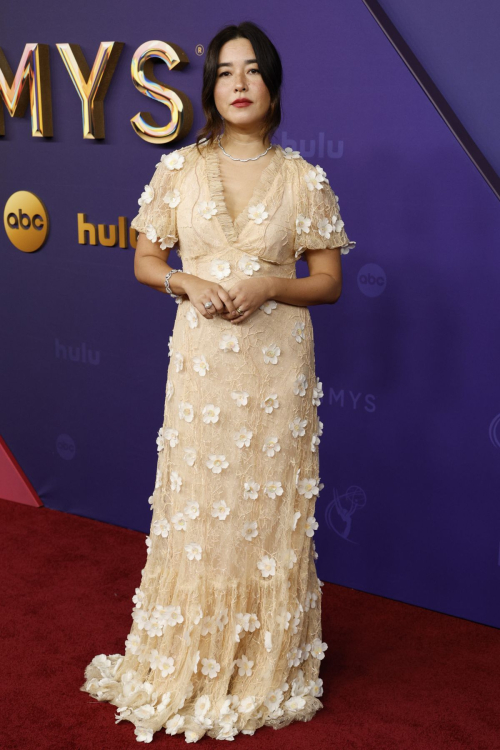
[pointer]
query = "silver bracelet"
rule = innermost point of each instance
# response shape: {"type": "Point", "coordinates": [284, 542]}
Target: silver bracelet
{"type": "Point", "coordinates": [167, 285]}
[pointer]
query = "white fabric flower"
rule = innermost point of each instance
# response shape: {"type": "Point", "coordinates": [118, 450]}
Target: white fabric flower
{"type": "Point", "coordinates": [217, 462]}
{"type": "Point", "coordinates": [220, 510]}
{"type": "Point", "coordinates": [289, 153]}
{"type": "Point", "coordinates": [314, 441]}
{"type": "Point", "coordinates": [208, 625]}
{"type": "Point", "coordinates": [178, 361]}
{"type": "Point", "coordinates": [270, 402]}
{"type": "Point", "coordinates": [143, 734]}
{"type": "Point", "coordinates": [173, 616]}
{"type": "Point", "coordinates": [175, 481]}
{"type": "Point", "coordinates": [210, 667]}
{"type": "Point", "coordinates": [210, 413]}
{"type": "Point", "coordinates": [310, 601]}
{"type": "Point", "coordinates": [171, 436]}
{"type": "Point", "coordinates": [161, 527]}
{"type": "Point", "coordinates": [251, 490]}
{"type": "Point", "coordinates": [308, 487]}
{"type": "Point", "coordinates": [160, 440]}
{"type": "Point", "coordinates": [257, 213]}
{"type": "Point", "coordinates": [268, 306]}
{"type": "Point", "coordinates": [250, 530]}
{"type": "Point", "coordinates": [172, 198]}
{"type": "Point", "coordinates": [267, 566]}
{"type": "Point", "coordinates": [189, 456]}
{"type": "Point", "coordinates": [132, 643]}
{"type": "Point", "coordinates": [314, 179]}
{"type": "Point", "coordinates": [192, 317]}
{"type": "Point", "coordinates": [139, 595]}
{"type": "Point", "coordinates": [317, 392]}
{"type": "Point", "coordinates": [296, 517]}
{"type": "Point", "coordinates": [300, 385]}
{"type": "Point", "coordinates": [283, 618]}
{"type": "Point", "coordinates": [193, 551]}
{"type": "Point", "coordinates": [158, 479]}
{"type": "Point", "coordinates": [271, 353]}
{"type": "Point", "coordinates": [290, 558]}
{"type": "Point", "coordinates": [295, 703]}
{"type": "Point", "coordinates": [179, 521]}
{"type": "Point", "coordinates": [207, 209]}
{"type": "Point", "coordinates": [316, 687]}
{"type": "Point", "coordinates": [306, 650]}
{"type": "Point", "coordinates": [298, 332]}
{"type": "Point", "coordinates": [318, 648]}
{"type": "Point", "coordinates": [337, 227]}
{"type": "Point", "coordinates": [201, 706]}
{"type": "Point", "coordinates": [174, 160]}
{"type": "Point", "coordinates": [151, 233]}
{"type": "Point", "coordinates": [322, 172]}
{"type": "Point", "coordinates": [302, 224]}
{"type": "Point", "coordinates": [168, 241]}
{"type": "Point", "coordinates": [220, 268]}
{"type": "Point", "coordinates": [271, 446]}
{"type": "Point", "coordinates": [241, 397]}
{"type": "Point", "coordinates": [242, 437]}
{"type": "Point", "coordinates": [268, 643]}
{"type": "Point", "coordinates": [273, 699]}
{"type": "Point", "coordinates": [169, 392]}
{"type": "Point", "coordinates": [174, 724]}
{"type": "Point", "coordinates": [324, 227]}
{"type": "Point", "coordinates": [229, 342]}
{"type": "Point", "coordinates": [294, 657]}
{"type": "Point", "coordinates": [248, 264]}
{"type": "Point", "coordinates": [249, 703]}
{"type": "Point", "coordinates": [200, 365]}
{"type": "Point", "coordinates": [272, 489]}
{"type": "Point", "coordinates": [147, 195]}
{"type": "Point", "coordinates": [192, 509]}
{"type": "Point", "coordinates": [311, 526]}
{"type": "Point", "coordinates": [297, 426]}
{"type": "Point", "coordinates": [186, 411]}
{"type": "Point", "coordinates": [244, 665]}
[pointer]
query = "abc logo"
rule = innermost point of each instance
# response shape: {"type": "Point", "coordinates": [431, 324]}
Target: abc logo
{"type": "Point", "coordinates": [26, 221]}
{"type": "Point", "coordinates": [372, 280]}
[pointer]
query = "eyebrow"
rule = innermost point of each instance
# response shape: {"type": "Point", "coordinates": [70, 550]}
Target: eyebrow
{"type": "Point", "coordinates": [219, 65]}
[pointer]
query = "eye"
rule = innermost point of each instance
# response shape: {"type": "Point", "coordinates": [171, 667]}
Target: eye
{"type": "Point", "coordinates": [223, 73]}
{"type": "Point", "coordinates": [256, 70]}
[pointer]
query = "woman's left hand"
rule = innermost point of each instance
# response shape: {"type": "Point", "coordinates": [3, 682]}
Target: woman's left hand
{"type": "Point", "coordinates": [248, 295]}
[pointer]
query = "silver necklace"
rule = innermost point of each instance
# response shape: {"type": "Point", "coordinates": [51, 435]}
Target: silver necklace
{"type": "Point", "coordinates": [252, 158]}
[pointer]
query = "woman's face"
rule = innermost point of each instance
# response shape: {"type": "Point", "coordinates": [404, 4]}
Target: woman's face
{"type": "Point", "coordinates": [238, 77]}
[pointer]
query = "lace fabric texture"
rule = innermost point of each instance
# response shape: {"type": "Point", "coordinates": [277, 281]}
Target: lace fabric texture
{"type": "Point", "coordinates": [226, 625]}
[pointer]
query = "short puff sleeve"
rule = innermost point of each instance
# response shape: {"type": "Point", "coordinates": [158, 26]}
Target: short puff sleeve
{"type": "Point", "coordinates": [318, 223]}
{"type": "Point", "coordinates": [157, 213]}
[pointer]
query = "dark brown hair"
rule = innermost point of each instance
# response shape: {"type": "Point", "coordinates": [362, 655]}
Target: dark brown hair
{"type": "Point", "coordinates": [270, 68]}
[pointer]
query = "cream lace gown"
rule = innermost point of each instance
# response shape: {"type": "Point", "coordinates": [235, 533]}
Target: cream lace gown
{"type": "Point", "coordinates": [226, 624]}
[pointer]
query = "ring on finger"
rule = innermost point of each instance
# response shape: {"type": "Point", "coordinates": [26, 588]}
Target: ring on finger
{"type": "Point", "coordinates": [208, 304]}
{"type": "Point", "coordinates": [240, 312]}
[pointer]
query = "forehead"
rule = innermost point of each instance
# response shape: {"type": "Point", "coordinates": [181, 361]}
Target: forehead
{"type": "Point", "coordinates": [236, 51]}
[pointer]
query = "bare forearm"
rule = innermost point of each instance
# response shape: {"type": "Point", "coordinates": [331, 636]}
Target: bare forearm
{"type": "Point", "coordinates": [152, 271]}
{"type": "Point", "coordinates": [318, 289]}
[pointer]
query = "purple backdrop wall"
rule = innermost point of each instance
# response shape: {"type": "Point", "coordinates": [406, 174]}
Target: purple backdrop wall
{"type": "Point", "coordinates": [408, 357]}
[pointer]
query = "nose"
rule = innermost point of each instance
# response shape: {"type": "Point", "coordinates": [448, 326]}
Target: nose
{"type": "Point", "coordinates": [239, 84]}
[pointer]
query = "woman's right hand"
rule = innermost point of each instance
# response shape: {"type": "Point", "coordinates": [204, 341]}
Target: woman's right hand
{"type": "Point", "coordinates": [200, 291]}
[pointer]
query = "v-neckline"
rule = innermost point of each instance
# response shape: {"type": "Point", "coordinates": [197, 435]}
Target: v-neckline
{"type": "Point", "coordinates": [233, 228]}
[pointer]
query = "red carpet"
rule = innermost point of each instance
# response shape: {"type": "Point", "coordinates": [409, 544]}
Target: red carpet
{"type": "Point", "coordinates": [395, 676]}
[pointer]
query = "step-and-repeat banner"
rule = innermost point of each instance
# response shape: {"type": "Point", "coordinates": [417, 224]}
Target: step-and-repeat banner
{"type": "Point", "coordinates": [408, 357]}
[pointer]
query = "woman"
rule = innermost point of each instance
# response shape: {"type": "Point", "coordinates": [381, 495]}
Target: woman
{"type": "Point", "coordinates": [226, 631]}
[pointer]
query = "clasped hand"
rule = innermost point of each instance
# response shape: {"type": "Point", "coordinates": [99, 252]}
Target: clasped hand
{"type": "Point", "coordinates": [247, 294]}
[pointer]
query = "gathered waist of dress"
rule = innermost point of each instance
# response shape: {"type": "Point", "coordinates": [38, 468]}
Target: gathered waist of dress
{"type": "Point", "coordinates": [221, 269]}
